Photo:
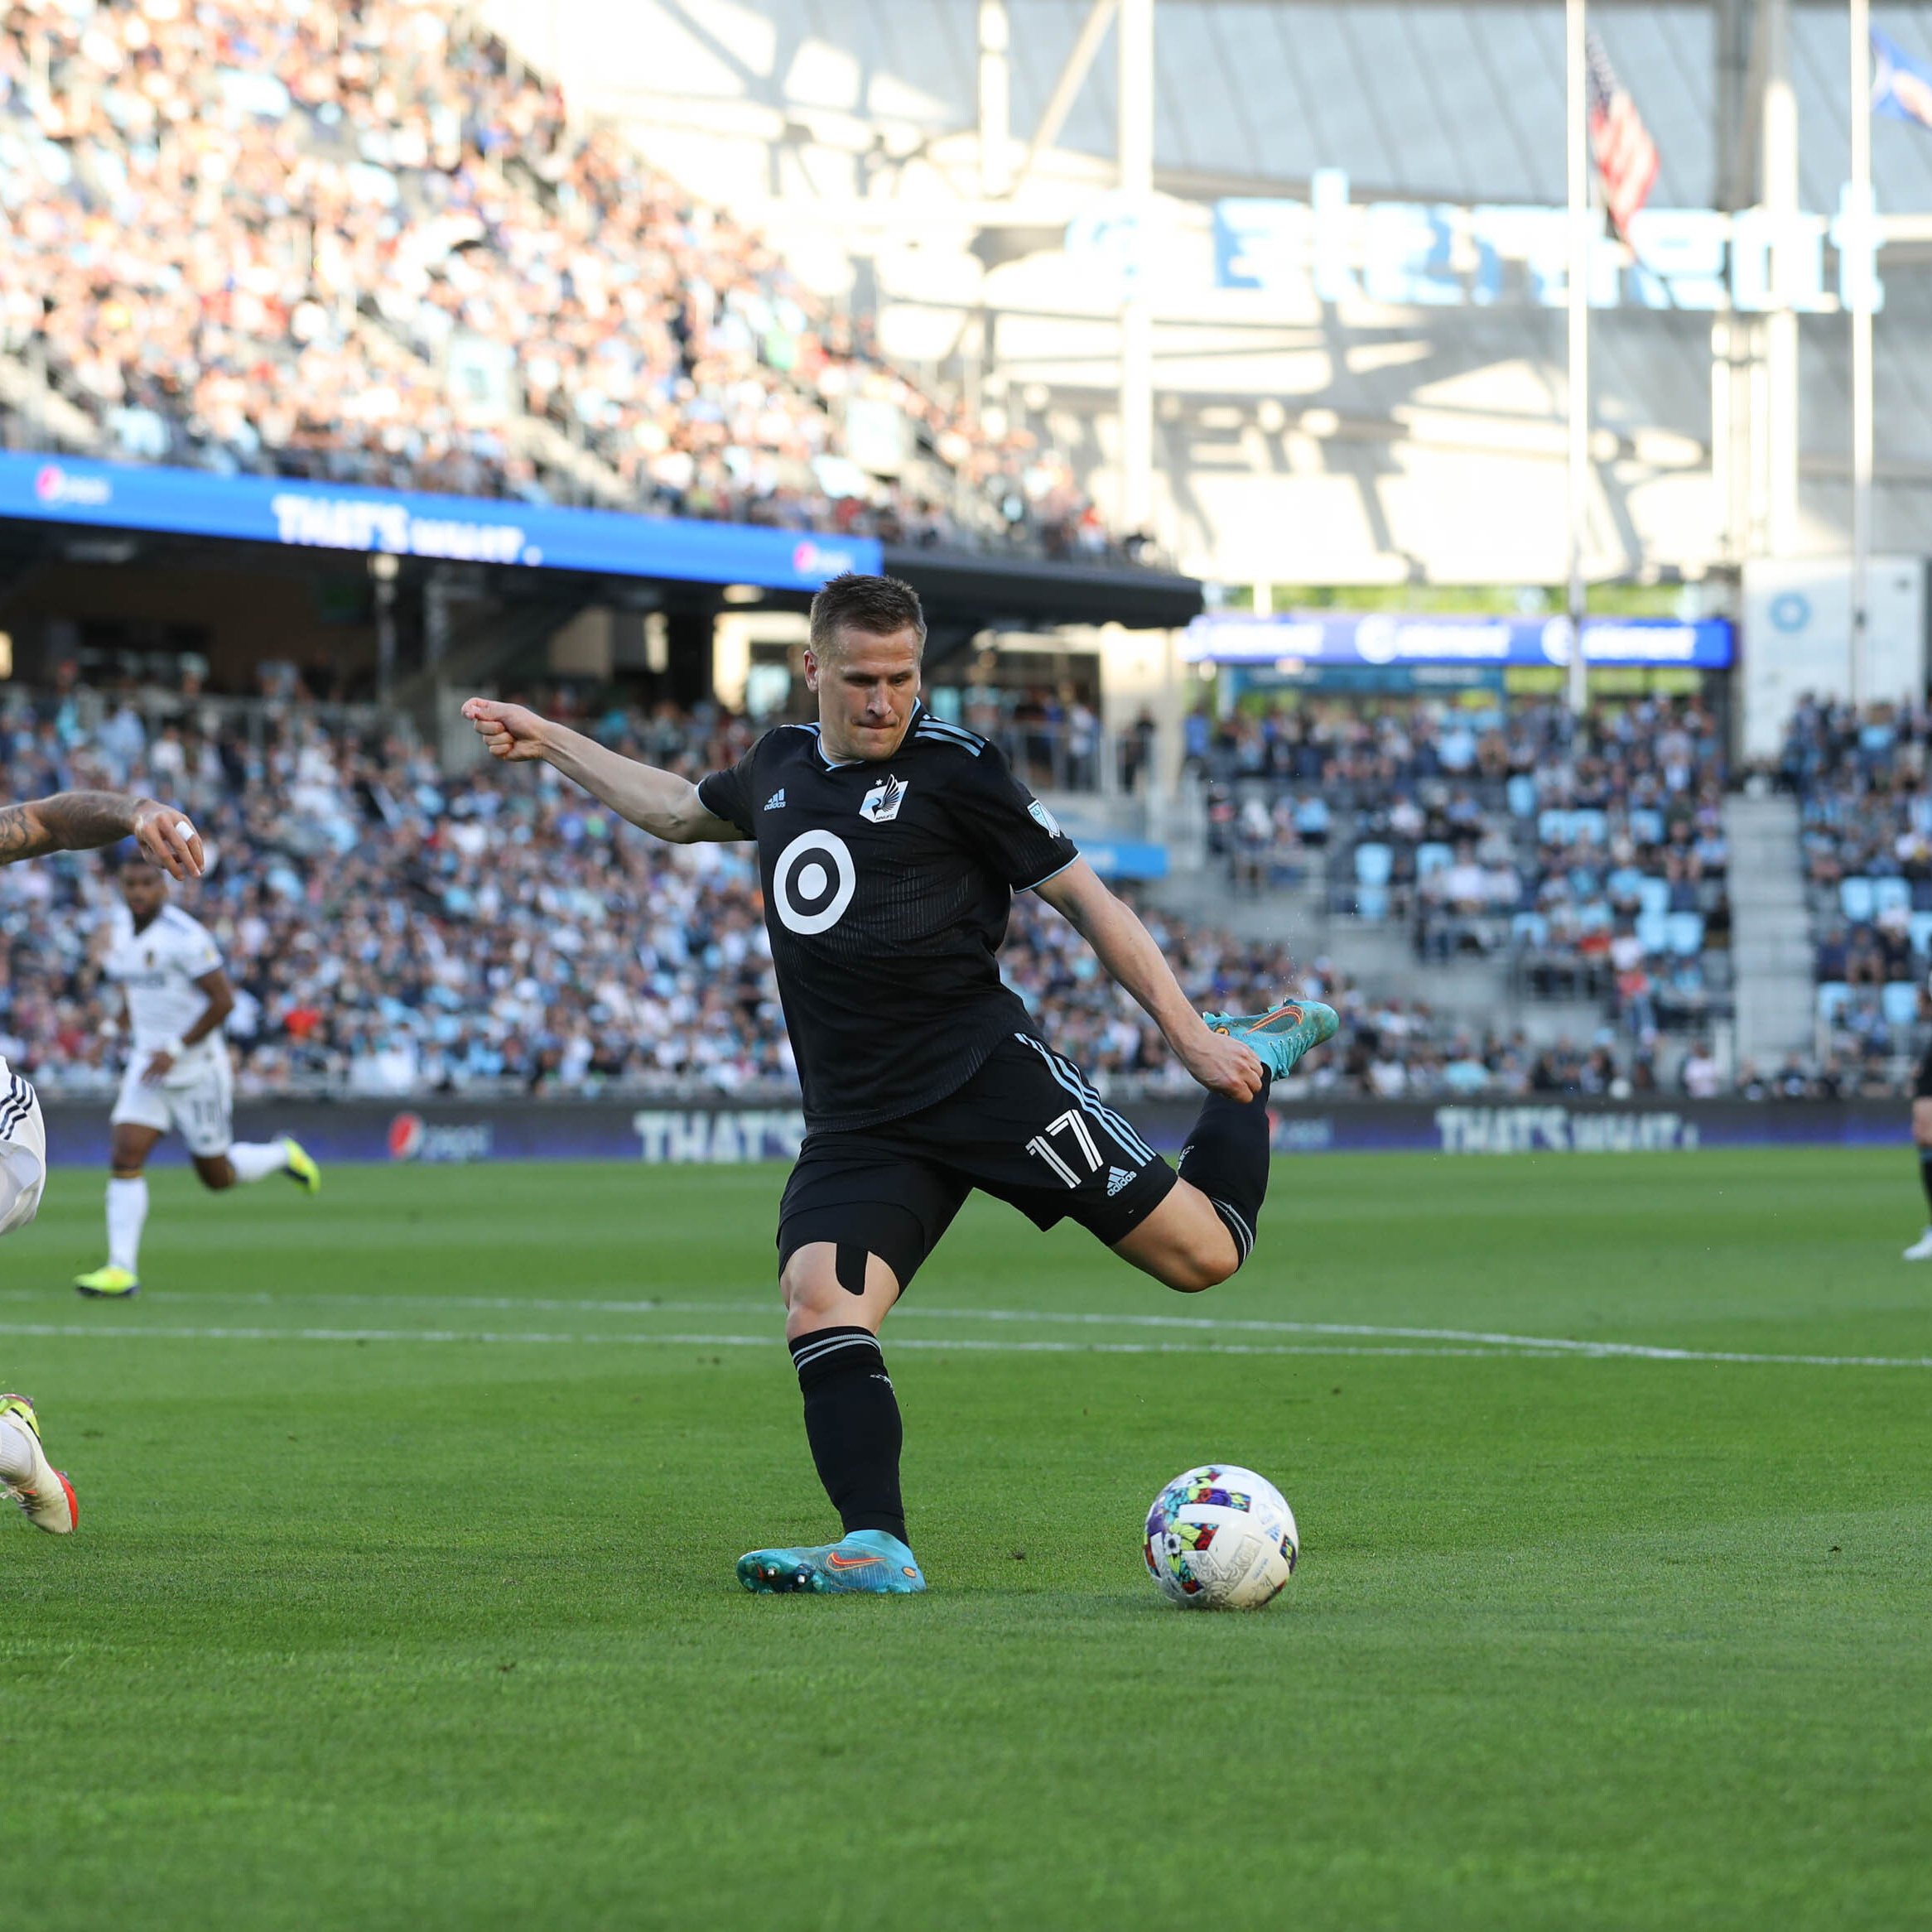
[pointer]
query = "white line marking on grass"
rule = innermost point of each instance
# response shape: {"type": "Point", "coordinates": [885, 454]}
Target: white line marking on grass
{"type": "Point", "coordinates": [1490, 1348]}
{"type": "Point", "coordinates": [514, 1338]}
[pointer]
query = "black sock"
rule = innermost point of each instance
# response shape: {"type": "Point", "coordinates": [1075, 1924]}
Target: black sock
{"type": "Point", "coordinates": [852, 1422]}
{"type": "Point", "coordinates": [1925, 1177]}
{"type": "Point", "coordinates": [1226, 1158]}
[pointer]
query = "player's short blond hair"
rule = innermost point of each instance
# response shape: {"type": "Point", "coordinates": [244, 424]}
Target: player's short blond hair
{"type": "Point", "coordinates": [851, 601]}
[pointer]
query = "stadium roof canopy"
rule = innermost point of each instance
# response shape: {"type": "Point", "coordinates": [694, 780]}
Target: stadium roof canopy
{"type": "Point", "coordinates": [1433, 99]}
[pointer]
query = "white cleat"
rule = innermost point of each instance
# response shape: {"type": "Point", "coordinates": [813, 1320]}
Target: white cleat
{"type": "Point", "coordinates": [46, 1496]}
{"type": "Point", "coordinates": [1921, 1249]}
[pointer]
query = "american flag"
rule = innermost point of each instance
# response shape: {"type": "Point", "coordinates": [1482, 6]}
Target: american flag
{"type": "Point", "coordinates": [1626, 157]}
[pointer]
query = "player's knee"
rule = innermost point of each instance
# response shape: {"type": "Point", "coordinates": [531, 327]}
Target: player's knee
{"type": "Point", "coordinates": [215, 1175]}
{"type": "Point", "coordinates": [807, 1287]}
{"type": "Point", "coordinates": [1195, 1270]}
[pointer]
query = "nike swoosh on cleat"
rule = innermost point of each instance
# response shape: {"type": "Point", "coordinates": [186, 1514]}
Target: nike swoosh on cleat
{"type": "Point", "coordinates": [835, 1561]}
{"type": "Point", "coordinates": [1279, 1013]}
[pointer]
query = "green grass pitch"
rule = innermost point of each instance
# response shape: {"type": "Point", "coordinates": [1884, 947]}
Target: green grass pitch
{"type": "Point", "coordinates": [403, 1597]}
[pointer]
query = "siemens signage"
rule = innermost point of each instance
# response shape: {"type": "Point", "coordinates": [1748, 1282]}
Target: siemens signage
{"type": "Point", "coordinates": [1379, 638]}
{"type": "Point", "coordinates": [255, 510]}
{"type": "Point", "coordinates": [1426, 255]}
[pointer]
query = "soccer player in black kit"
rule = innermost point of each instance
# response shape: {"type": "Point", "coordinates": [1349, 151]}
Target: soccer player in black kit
{"type": "Point", "coordinates": [890, 844]}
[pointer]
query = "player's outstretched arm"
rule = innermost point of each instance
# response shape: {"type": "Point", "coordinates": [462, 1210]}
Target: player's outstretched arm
{"type": "Point", "coordinates": [1126, 949]}
{"type": "Point", "coordinates": [80, 821]}
{"type": "Point", "coordinates": [660, 802]}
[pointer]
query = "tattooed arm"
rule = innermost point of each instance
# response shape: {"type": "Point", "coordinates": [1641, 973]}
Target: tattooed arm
{"type": "Point", "coordinates": [77, 821]}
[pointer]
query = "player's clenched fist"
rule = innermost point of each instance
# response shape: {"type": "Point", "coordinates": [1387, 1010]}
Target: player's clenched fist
{"type": "Point", "coordinates": [167, 840]}
{"type": "Point", "coordinates": [507, 730]}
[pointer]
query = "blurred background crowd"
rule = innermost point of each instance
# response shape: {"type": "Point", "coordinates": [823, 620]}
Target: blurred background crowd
{"type": "Point", "coordinates": [362, 243]}
{"type": "Point", "coordinates": [392, 929]}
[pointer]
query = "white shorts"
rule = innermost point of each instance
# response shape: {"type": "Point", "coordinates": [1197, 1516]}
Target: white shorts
{"type": "Point", "coordinates": [23, 1152]}
{"type": "Point", "coordinates": [197, 1103]}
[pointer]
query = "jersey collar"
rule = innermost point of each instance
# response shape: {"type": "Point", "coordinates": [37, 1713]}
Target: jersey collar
{"type": "Point", "coordinates": [840, 764]}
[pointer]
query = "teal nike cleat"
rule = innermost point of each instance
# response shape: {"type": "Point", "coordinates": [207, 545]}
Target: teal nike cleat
{"type": "Point", "coordinates": [1279, 1038]}
{"type": "Point", "coordinates": [867, 1562]}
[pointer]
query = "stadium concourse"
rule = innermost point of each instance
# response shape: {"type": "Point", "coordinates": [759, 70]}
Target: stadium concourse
{"type": "Point", "coordinates": [263, 239]}
{"type": "Point", "coordinates": [391, 930]}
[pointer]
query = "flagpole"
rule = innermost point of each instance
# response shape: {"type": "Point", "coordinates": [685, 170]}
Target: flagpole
{"type": "Point", "coordinates": [1576, 493]}
{"type": "Point", "coordinates": [1862, 383]}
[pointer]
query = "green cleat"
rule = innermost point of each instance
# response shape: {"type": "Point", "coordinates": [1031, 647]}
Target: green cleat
{"type": "Point", "coordinates": [867, 1562]}
{"type": "Point", "coordinates": [1279, 1040]}
{"type": "Point", "coordinates": [301, 1167]}
{"type": "Point", "coordinates": [108, 1284]}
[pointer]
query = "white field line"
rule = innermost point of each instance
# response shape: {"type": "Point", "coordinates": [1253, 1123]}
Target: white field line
{"type": "Point", "coordinates": [924, 1311]}
{"type": "Point", "coordinates": [1485, 1345]}
{"type": "Point", "coordinates": [536, 1337]}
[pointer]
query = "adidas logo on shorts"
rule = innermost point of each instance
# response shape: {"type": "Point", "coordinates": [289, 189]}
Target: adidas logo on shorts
{"type": "Point", "coordinates": [1117, 1179]}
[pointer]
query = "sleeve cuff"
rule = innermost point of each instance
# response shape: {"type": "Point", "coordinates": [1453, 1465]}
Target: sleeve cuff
{"type": "Point", "coordinates": [1047, 879]}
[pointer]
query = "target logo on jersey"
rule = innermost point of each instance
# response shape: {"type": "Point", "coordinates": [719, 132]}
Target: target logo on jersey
{"type": "Point", "coordinates": [814, 882]}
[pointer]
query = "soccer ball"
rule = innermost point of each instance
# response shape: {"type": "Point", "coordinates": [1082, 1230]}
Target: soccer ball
{"type": "Point", "coordinates": [1221, 1537]}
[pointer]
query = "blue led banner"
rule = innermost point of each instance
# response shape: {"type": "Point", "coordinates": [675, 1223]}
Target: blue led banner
{"type": "Point", "coordinates": [1380, 637]}
{"type": "Point", "coordinates": [466, 529]}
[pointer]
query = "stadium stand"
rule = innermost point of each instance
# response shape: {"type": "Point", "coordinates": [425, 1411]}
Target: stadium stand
{"type": "Point", "coordinates": [1591, 857]}
{"type": "Point", "coordinates": [392, 930]}
{"type": "Point", "coordinates": [1865, 815]}
{"type": "Point", "coordinates": [364, 244]}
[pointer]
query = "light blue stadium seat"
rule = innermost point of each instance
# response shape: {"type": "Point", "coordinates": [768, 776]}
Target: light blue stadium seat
{"type": "Point", "coordinates": [1373, 864]}
{"type": "Point", "coordinates": [1371, 901]}
{"type": "Point", "coordinates": [1685, 932]}
{"type": "Point", "coordinates": [1432, 857]}
{"type": "Point", "coordinates": [1653, 896]}
{"type": "Point", "coordinates": [1521, 793]}
{"type": "Point", "coordinates": [1646, 825]}
{"type": "Point", "coordinates": [1553, 825]}
{"type": "Point", "coordinates": [1529, 929]}
{"type": "Point", "coordinates": [1900, 1001]}
{"type": "Point", "coordinates": [1832, 995]}
{"type": "Point", "coordinates": [1856, 900]}
{"type": "Point", "coordinates": [1890, 895]}
{"type": "Point", "coordinates": [1587, 822]}
{"type": "Point", "coordinates": [1920, 928]}
{"type": "Point", "coordinates": [1653, 931]}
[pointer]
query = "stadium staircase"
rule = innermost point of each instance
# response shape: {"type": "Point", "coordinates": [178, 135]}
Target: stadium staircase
{"type": "Point", "coordinates": [1770, 942]}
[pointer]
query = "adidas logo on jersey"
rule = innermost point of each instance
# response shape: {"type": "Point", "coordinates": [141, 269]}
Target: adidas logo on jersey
{"type": "Point", "coordinates": [777, 800]}
{"type": "Point", "coordinates": [1117, 1179]}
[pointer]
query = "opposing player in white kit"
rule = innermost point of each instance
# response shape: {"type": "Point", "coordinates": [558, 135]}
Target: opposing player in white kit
{"type": "Point", "coordinates": [178, 1075]}
{"type": "Point", "coordinates": [70, 822]}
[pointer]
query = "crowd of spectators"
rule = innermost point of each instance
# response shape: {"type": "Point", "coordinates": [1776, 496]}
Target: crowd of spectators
{"type": "Point", "coordinates": [1589, 852]}
{"type": "Point", "coordinates": [393, 929]}
{"type": "Point", "coordinates": [359, 241]}
{"type": "Point", "coordinates": [1865, 812]}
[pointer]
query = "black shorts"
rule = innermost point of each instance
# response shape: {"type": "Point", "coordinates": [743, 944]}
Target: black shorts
{"type": "Point", "coordinates": [1922, 1082]}
{"type": "Point", "coordinates": [1027, 1128]}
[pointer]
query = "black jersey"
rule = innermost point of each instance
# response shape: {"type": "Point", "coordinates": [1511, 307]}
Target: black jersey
{"type": "Point", "coordinates": [888, 884]}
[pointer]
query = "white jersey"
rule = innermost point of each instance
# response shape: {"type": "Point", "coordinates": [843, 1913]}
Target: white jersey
{"type": "Point", "coordinates": [23, 1151]}
{"type": "Point", "coordinates": [156, 968]}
